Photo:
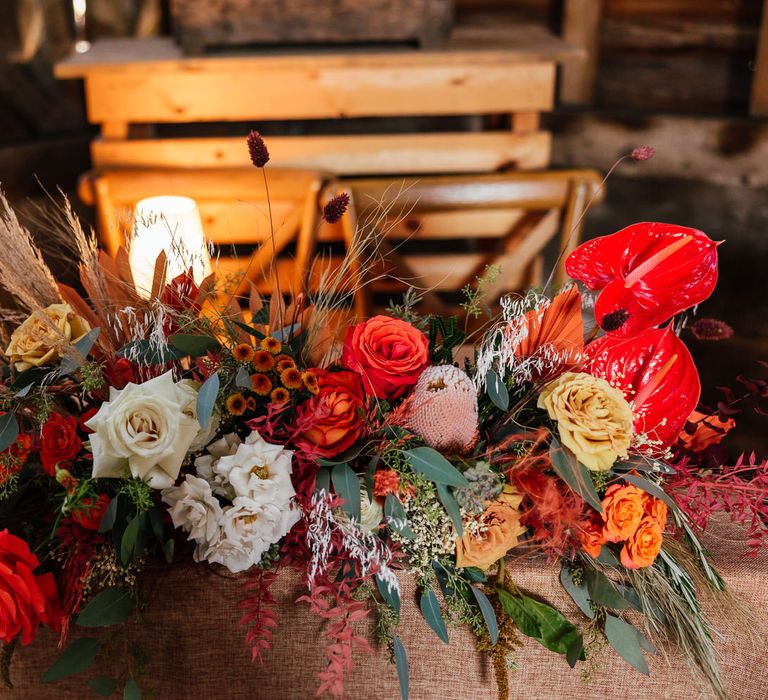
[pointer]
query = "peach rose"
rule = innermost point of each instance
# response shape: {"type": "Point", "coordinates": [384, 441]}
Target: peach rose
{"type": "Point", "coordinates": [594, 420]}
{"type": "Point", "coordinates": [388, 353]}
{"type": "Point", "coordinates": [642, 548]}
{"type": "Point", "coordinates": [591, 535]}
{"type": "Point", "coordinates": [496, 531]}
{"type": "Point", "coordinates": [45, 336]}
{"type": "Point", "coordinates": [623, 509]}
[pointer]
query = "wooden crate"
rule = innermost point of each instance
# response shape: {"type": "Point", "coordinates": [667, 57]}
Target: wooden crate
{"type": "Point", "coordinates": [202, 23]}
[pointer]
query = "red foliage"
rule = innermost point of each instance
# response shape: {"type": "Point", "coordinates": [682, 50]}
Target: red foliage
{"type": "Point", "coordinates": [260, 616]}
{"type": "Point", "coordinates": [741, 490]}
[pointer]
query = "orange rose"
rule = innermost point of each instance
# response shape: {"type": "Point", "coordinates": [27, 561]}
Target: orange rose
{"type": "Point", "coordinates": [496, 532]}
{"type": "Point", "coordinates": [656, 509]}
{"type": "Point", "coordinates": [388, 353]}
{"type": "Point", "coordinates": [330, 422]}
{"type": "Point", "coordinates": [623, 509]}
{"type": "Point", "coordinates": [591, 535]}
{"type": "Point", "coordinates": [642, 548]}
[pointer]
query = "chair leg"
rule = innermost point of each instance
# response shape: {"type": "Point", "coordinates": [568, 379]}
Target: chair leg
{"type": "Point", "coordinates": [307, 237]}
{"type": "Point", "coordinates": [352, 244]}
{"type": "Point", "coordinates": [572, 225]}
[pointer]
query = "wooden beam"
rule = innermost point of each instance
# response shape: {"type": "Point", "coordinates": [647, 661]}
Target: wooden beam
{"type": "Point", "coordinates": [581, 27]}
{"type": "Point", "coordinates": [758, 105]}
{"type": "Point", "coordinates": [375, 154]}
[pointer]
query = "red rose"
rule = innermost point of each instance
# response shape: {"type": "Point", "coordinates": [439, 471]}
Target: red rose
{"type": "Point", "coordinates": [85, 417]}
{"type": "Point", "coordinates": [330, 421]}
{"type": "Point", "coordinates": [388, 353]}
{"type": "Point", "coordinates": [90, 513]}
{"type": "Point", "coordinates": [59, 442]}
{"type": "Point", "coordinates": [26, 600]}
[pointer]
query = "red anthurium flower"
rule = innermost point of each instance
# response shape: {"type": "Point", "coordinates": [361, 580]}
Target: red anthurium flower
{"type": "Point", "coordinates": [658, 377]}
{"type": "Point", "coordinates": [647, 273]}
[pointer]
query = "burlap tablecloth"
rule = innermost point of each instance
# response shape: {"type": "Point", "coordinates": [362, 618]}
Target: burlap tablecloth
{"type": "Point", "coordinates": [196, 649]}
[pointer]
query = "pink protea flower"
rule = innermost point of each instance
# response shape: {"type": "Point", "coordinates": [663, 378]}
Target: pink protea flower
{"type": "Point", "coordinates": [443, 409]}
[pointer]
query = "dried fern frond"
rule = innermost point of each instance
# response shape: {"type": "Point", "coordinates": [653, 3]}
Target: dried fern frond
{"type": "Point", "coordinates": [23, 272]}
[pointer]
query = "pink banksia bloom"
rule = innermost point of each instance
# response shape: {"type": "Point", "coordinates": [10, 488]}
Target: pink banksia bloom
{"type": "Point", "coordinates": [257, 149]}
{"type": "Point", "coordinates": [443, 409]}
{"type": "Point", "coordinates": [711, 329]}
{"type": "Point", "coordinates": [643, 153]}
{"type": "Point", "coordinates": [336, 207]}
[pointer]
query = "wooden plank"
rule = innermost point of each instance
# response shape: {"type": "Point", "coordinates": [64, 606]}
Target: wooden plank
{"type": "Point", "coordinates": [377, 154]}
{"type": "Point", "coordinates": [581, 26]}
{"type": "Point", "coordinates": [242, 93]}
{"type": "Point", "coordinates": [758, 104]}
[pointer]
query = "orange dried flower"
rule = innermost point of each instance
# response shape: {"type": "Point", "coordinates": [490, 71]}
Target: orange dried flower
{"type": "Point", "coordinates": [250, 402]}
{"type": "Point", "coordinates": [261, 384]}
{"type": "Point", "coordinates": [271, 345]}
{"type": "Point", "coordinates": [263, 361]}
{"type": "Point", "coordinates": [243, 352]}
{"type": "Point", "coordinates": [236, 404]}
{"type": "Point", "coordinates": [284, 361]}
{"type": "Point", "coordinates": [279, 395]}
{"type": "Point", "coordinates": [291, 378]}
{"type": "Point", "coordinates": [385, 481]}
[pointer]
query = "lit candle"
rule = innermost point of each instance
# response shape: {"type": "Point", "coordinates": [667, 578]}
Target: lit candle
{"type": "Point", "coordinates": [173, 225]}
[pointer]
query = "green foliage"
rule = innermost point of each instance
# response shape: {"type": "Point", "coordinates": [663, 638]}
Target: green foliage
{"type": "Point", "coordinates": [347, 486]}
{"type": "Point", "coordinates": [474, 295]}
{"type": "Point", "coordinates": [444, 337]}
{"type": "Point", "coordinates": [92, 376]}
{"type": "Point", "coordinates": [430, 609]}
{"type": "Point", "coordinates": [407, 310]}
{"type": "Point", "coordinates": [139, 492]}
{"type": "Point", "coordinates": [431, 464]}
{"type": "Point", "coordinates": [573, 473]}
{"type": "Point", "coordinates": [76, 658]}
{"type": "Point", "coordinates": [110, 607]}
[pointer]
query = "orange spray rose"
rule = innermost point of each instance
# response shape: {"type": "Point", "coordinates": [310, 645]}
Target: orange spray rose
{"type": "Point", "coordinates": [623, 509]}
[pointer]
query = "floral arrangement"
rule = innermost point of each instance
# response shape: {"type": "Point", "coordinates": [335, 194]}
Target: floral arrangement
{"type": "Point", "coordinates": [250, 435]}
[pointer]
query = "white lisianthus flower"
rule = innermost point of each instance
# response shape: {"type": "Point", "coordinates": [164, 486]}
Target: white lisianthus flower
{"type": "Point", "coordinates": [143, 428]}
{"type": "Point", "coordinates": [371, 513]}
{"type": "Point", "coordinates": [258, 470]}
{"type": "Point", "coordinates": [204, 435]}
{"type": "Point", "coordinates": [195, 510]}
{"type": "Point", "coordinates": [205, 464]}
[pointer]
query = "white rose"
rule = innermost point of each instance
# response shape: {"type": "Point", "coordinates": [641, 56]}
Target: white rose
{"type": "Point", "coordinates": [195, 510]}
{"type": "Point", "coordinates": [371, 513]}
{"type": "Point", "coordinates": [205, 464]}
{"type": "Point", "coordinates": [258, 470]}
{"type": "Point", "coordinates": [143, 427]}
{"type": "Point", "coordinates": [204, 435]}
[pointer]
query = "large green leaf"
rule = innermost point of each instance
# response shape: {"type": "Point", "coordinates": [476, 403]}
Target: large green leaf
{"type": "Point", "coordinates": [451, 507]}
{"type": "Point", "coordinates": [578, 592]}
{"type": "Point", "coordinates": [347, 485]}
{"type": "Point", "coordinates": [130, 544]}
{"type": "Point", "coordinates": [497, 390]}
{"type": "Point", "coordinates": [603, 592]}
{"type": "Point", "coordinates": [110, 607]}
{"type": "Point", "coordinates": [430, 608]}
{"type": "Point", "coordinates": [323, 480]}
{"type": "Point", "coordinates": [145, 352]}
{"type": "Point", "coordinates": [489, 616]}
{"type": "Point", "coordinates": [539, 621]}
{"type": "Point", "coordinates": [625, 639]}
{"type": "Point", "coordinates": [431, 464]}
{"type": "Point", "coordinates": [76, 658]}
{"type": "Point", "coordinates": [9, 430]}
{"type": "Point", "coordinates": [573, 473]}
{"type": "Point", "coordinates": [401, 662]}
{"type": "Point", "coordinates": [206, 399]}
{"type": "Point", "coordinates": [651, 488]}
{"type": "Point", "coordinates": [194, 345]}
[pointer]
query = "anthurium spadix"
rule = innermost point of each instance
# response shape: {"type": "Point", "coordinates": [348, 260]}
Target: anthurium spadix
{"type": "Point", "coordinates": [647, 273]}
{"type": "Point", "coordinates": [657, 375]}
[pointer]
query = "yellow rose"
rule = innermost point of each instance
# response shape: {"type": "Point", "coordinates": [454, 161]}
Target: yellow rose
{"type": "Point", "coordinates": [494, 533]}
{"type": "Point", "coordinates": [45, 336]}
{"type": "Point", "coordinates": [593, 418]}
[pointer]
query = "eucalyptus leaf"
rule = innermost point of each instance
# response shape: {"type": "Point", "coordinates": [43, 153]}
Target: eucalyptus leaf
{"type": "Point", "coordinates": [323, 480]}
{"type": "Point", "coordinates": [451, 506]}
{"type": "Point", "coordinates": [497, 390]}
{"type": "Point", "coordinates": [145, 352]}
{"type": "Point", "coordinates": [625, 639]}
{"type": "Point", "coordinates": [81, 349]}
{"type": "Point", "coordinates": [575, 652]}
{"type": "Point", "coordinates": [129, 540]}
{"type": "Point", "coordinates": [194, 345]}
{"type": "Point", "coordinates": [489, 616]}
{"type": "Point", "coordinates": [9, 430]}
{"type": "Point", "coordinates": [110, 515]}
{"type": "Point", "coordinates": [401, 662]}
{"type": "Point", "coordinates": [206, 399]}
{"type": "Point", "coordinates": [573, 473]}
{"type": "Point", "coordinates": [103, 685]}
{"type": "Point", "coordinates": [76, 658]}
{"type": "Point", "coordinates": [607, 557]}
{"type": "Point", "coordinates": [347, 485]}
{"type": "Point", "coordinates": [31, 376]}
{"type": "Point", "coordinates": [394, 513]}
{"type": "Point", "coordinates": [344, 458]}
{"type": "Point", "coordinates": [579, 592]}
{"type": "Point", "coordinates": [131, 690]}
{"type": "Point", "coordinates": [168, 550]}
{"type": "Point", "coordinates": [431, 464]}
{"type": "Point", "coordinates": [109, 607]}
{"type": "Point", "coordinates": [243, 378]}
{"type": "Point", "coordinates": [283, 334]}
{"type": "Point", "coordinates": [430, 608]}
{"type": "Point", "coordinates": [650, 487]}
{"type": "Point", "coordinates": [602, 591]}
{"type": "Point", "coordinates": [390, 594]}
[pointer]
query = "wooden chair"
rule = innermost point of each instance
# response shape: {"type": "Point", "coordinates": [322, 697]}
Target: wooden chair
{"type": "Point", "coordinates": [236, 217]}
{"type": "Point", "coordinates": [442, 232]}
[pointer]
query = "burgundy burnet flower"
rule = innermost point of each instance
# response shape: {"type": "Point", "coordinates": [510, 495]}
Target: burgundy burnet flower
{"type": "Point", "coordinates": [711, 329]}
{"type": "Point", "coordinates": [336, 207]}
{"type": "Point", "coordinates": [643, 153]}
{"type": "Point", "coordinates": [257, 149]}
{"type": "Point", "coordinates": [646, 273]}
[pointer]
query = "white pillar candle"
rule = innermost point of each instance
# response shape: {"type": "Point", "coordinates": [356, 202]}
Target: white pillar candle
{"type": "Point", "coordinates": [173, 225]}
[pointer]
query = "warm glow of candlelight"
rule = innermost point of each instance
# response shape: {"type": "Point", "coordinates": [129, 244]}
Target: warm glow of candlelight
{"type": "Point", "coordinates": [173, 225]}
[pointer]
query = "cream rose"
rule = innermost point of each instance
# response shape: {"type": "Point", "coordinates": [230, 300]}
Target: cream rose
{"type": "Point", "coordinates": [194, 508]}
{"type": "Point", "coordinates": [593, 418]}
{"type": "Point", "coordinates": [143, 428]}
{"type": "Point", "coordinates": [45, 336]}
